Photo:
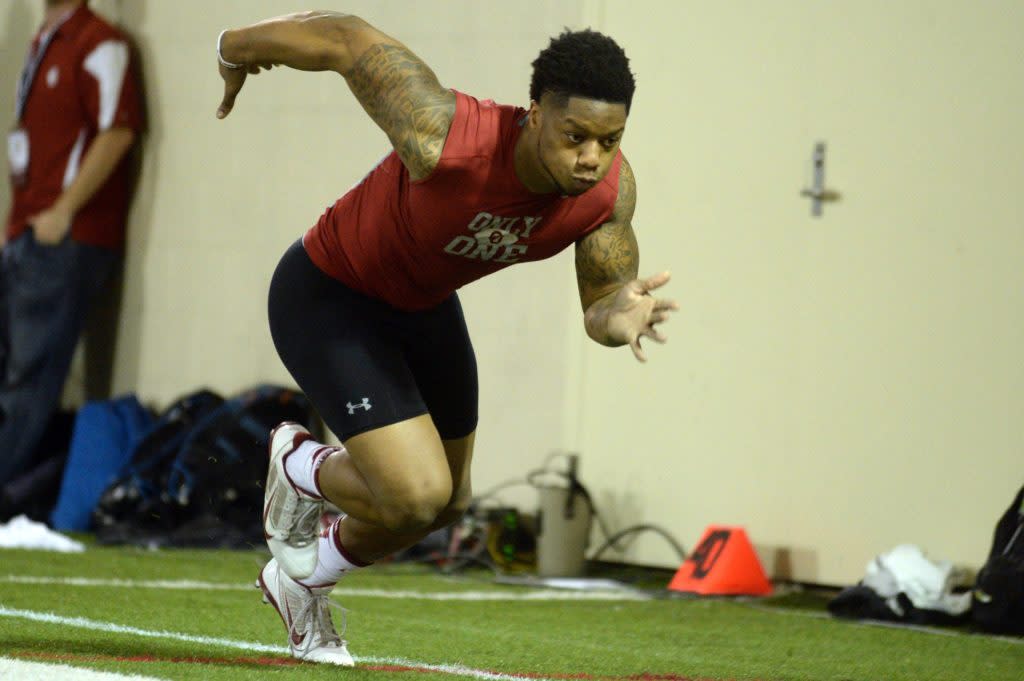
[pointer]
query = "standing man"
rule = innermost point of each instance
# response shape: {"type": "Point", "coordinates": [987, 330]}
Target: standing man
{"type": "Point", "coordinates": [363, 310]}
{"type": "Point", "coordinates": [78, 112]}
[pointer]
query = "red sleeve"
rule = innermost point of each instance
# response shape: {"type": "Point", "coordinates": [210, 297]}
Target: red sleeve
{"type": "Point", "coordinates": [108, 84]}
{"type": "Point", "coordinates": [474, 128]}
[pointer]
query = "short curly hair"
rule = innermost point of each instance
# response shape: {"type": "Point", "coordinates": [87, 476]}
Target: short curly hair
{"type": "Point", "coordinates": [583, 64]}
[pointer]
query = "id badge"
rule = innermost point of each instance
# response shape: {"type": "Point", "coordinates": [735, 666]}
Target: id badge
{"type": "Point", "coordinates": [17, 155]}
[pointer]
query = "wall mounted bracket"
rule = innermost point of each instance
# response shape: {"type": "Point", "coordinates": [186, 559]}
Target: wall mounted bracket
{"type": "Point", "coordinates": [817, 192]}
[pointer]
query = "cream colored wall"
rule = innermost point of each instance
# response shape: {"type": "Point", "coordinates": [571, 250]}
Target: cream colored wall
{"type": "Point", "coordinates": [836, 385]}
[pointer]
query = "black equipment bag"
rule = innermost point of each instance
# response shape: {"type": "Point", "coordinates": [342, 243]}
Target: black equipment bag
{"type": "Point", "coordinates": [997, 602]}
{"type": "Point", "coordinates": [210, 490]}
{"type": "Point", "coordinates": [137, 490]}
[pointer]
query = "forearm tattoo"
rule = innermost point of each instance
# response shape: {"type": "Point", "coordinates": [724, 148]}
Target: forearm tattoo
{"type": "Point", "coordinates": [404, 98]}
{"type": "Point", "coordinates": [609, 256]}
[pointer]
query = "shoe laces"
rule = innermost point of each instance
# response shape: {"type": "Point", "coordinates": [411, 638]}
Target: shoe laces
{"type": "Point", "coordinates": [321, 627]}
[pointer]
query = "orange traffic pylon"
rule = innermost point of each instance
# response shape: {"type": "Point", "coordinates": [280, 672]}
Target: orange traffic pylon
{"type": "Point", "coordinates": [724, 563]}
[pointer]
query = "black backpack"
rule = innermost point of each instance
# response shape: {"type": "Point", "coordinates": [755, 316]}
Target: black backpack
{"type": "Point", "coordinates": [997, 602]}
{"type": "Point", "coordinates": [137, 489]}
{"type": "Point", "coordinates": [221, 467]}
{"type": "Point", "coordinates": [210, 490]}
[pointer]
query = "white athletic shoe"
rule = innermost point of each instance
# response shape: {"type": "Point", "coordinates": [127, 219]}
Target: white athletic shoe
{"type": "Point", "coordinates": [291, 517]}
{"type": "Point", "coordinates": [307, 617]}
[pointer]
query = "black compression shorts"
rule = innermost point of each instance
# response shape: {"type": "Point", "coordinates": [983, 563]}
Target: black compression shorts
{"type": "Point", "coordinates": [365, 364]}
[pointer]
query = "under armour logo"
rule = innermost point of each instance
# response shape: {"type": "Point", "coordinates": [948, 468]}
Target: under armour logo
{"type": "Point", "coordinates": [365, 404]}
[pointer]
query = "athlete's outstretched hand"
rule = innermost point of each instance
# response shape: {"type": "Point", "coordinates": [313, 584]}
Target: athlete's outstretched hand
{"type": "Point", "coordinates": [634, 313]}
{"type": "Point", "coordinates": [234, 79]}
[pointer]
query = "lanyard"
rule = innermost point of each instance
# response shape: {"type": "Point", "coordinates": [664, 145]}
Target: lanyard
{"type": "Point", "coordinates": [32, 62]}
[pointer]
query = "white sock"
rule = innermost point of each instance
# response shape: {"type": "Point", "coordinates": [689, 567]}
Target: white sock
{"type": "Point", "coordinates": [302, 466]}
{"type": "Point", "coordinates": [332, 561]}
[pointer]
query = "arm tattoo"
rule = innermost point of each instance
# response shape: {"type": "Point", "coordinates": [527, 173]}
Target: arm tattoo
{"type": "Point", "coordinates": [609, 257]}
{"type": "Point", "coordinates": [402, 95]}
{"type": "Point", "coordinates": [625, 202]}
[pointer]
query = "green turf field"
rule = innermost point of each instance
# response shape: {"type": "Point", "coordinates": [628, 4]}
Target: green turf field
{"type": "Point", "coordinates": [195, 615]}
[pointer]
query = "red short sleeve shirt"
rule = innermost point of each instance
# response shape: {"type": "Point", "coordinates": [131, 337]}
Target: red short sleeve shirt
{"type": "Point", "coordinates": [412, 243]}
{"type": "Point", "coordinates": [85, 84]}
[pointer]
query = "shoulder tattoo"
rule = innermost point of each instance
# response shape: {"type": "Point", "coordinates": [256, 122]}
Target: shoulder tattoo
{"type": "Point", "coordinates": [404, 98]}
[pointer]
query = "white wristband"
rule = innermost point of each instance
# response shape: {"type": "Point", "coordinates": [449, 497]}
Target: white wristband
{"type": "Point", "coordinates": [224, 62]}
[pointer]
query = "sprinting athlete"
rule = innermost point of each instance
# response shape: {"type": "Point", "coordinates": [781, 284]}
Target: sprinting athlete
{"type": "Point", "coordinates": [363, 310]}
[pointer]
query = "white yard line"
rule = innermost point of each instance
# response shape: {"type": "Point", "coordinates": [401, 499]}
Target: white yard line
{"type": "Point", "coordinates": [191, 585]}
{"type": "Point", "coordinates": [111, 627]}
{"type": "Point", "coordinates": [20, 669]}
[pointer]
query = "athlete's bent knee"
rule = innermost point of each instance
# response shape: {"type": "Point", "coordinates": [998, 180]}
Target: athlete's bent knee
{"type": "Point", "coordinates": [414, 512]}
{"type": "Point", "coordinates": [456, 508]}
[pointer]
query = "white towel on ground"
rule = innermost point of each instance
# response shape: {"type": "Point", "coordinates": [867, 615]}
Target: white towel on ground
{"type": "Point", "coordinates": [22, 533]}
